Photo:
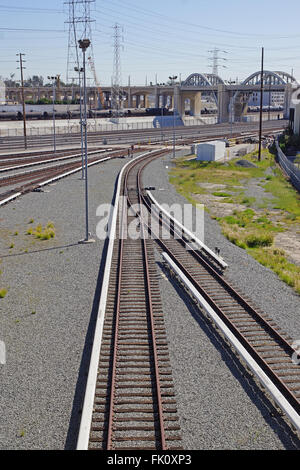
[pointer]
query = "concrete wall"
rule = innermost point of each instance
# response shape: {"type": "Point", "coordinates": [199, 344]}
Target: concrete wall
{"type": "Point", "coordinates": [2, 92]}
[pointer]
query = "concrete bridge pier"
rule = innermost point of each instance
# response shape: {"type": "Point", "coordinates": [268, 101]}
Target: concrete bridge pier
{"type": "Point", "coordinates": [195, 98]}
{"type": "Point", "coordinates": [287, 100]}
{"type": "Point", "coordinates": [179, 102]}
{"type": "Point", "coordinates": [156, 98]}
{"type": "Point", "coordinates": [223, 104]}
{"type": "Point", "coordinates": [137, 101]}
{"type": "Point", "coordinates": [196, 104]}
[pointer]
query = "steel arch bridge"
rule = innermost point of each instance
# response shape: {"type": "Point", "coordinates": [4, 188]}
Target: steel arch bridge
{"type": "Point", "coordinates": [202, 79]}
{"type": "Point", "coordinates": [241, 98]}
{"type": "Point", "coordinates": [270, 78]}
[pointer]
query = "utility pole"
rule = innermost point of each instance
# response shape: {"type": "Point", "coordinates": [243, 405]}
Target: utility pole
{"type": "Point", "coordinates": [23, 98]}
{"type": "Point", "coordinates": [261, 103]}
{"type": "Point", "coordinates": [84, 44]}
{"type": "Point", "coordinates": [53, 108]}
{"type": "Point", "coordinates": [173, 78]}
{"type": "Point", "coordinates": [80, 71]}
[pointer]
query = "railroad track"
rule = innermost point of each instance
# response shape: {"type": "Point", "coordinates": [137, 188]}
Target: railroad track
{"type": "Point", "coordinates": [142, 135]}
{"type": "Point", "coordinates": [135, 406]}
{"type": "Point", "coordinates": [270, 347]}
{"type": "Point", "coordinates": [131, 404]}
{"type": "Point", "coordinates": [31, 180]}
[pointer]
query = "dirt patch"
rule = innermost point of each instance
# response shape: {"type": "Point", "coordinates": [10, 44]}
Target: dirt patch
{"type": "Point", "coordinates": [212, 186]}
{"type": "Point", "coordinates": [215, 205]}
{"type": "Point", "coordinates": [289, 241]}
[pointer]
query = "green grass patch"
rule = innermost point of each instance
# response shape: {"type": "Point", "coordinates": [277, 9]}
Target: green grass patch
{"type": "Point", "coordinates": [221, 194]}
{"type": "Point", "coordinates": [251, 229]}
{"type": "Point", "coordinates": [275, 259]}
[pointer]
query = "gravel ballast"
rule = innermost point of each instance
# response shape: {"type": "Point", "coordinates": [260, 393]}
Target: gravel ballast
{"type": "Point", "coordinates": [220, 406]}
{"type": "Point", "coordinates": [48, 315]}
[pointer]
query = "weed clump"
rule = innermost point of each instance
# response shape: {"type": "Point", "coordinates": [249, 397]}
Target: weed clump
{"type": "Point", "coordinates": [43, 233]}
{"type": "Point", "coordinates": [259, 239]}
{"type": "Point", "coordinates": [3, 293]}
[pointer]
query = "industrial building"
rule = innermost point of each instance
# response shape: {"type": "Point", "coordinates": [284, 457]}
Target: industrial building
{"type": "Point", "coordinates": [295, 111]}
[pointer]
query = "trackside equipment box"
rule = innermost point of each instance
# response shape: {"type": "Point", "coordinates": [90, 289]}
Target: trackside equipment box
{"type": "Point", "coordinates": [211, 151]}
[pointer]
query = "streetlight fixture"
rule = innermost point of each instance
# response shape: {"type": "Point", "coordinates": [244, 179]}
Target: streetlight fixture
{"type": "Point", "coordinates": [54, 79]}
{"type": "Point", "coordinates": [84, 44]}
{"type": "Point", "coordinates": [173, 78]}
{"type": "Point", "coordinates": [80, 71]}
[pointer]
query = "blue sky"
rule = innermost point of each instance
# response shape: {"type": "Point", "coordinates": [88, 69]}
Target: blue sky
{"type": "Point", "coordinates": [161, 37]}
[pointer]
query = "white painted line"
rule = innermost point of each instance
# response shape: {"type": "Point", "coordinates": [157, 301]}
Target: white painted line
{"type": "Point", "coordinates": [196, 240]}
{"type": "Point", "coordinates": [87, 411]}
{"type": "Point", "coordinates": [71, 172]}
{"type": "Point", "coordinates": [52, 160]}
{"type": "Point", "coordinates": [256, 369]}
{"type": "Point", "coordinates": [56, 178]}
{"type": "Point", "coordinates": [10, 198]}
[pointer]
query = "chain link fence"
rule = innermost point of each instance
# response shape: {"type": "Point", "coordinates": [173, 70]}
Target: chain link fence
{"type": "Point", "coordinates": [288, 167]}
{"type": "Point", "coordinates": [94, 126]}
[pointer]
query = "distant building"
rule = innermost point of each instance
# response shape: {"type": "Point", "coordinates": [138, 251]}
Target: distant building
{"type": "Point", "coordinates": [274, 98]}
{"type": "Point", "coordinates": [2, 92]}
{"type": "Point", "coordinates": [295, 111]}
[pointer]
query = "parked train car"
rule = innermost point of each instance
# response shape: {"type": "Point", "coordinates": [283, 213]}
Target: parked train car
{"type": "Point", "coordinates": [15, 112]}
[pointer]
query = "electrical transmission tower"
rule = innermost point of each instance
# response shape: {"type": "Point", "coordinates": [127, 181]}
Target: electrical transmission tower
{"type": "Point", "coordinates": [116, 90]}
{"type": "Point", "coordinates": [216, 60]}
{"type": "Point", "coordinates": [80, 27]}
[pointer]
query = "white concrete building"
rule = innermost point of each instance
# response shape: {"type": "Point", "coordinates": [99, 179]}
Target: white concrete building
{"type": "Point", "coordinates": [295, 111]}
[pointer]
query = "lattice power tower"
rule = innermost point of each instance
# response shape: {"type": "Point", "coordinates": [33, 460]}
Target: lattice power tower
{"type": "Point", "coordinates": [116, 90]}
{"type": "Point", "coordinates": [80, 27]}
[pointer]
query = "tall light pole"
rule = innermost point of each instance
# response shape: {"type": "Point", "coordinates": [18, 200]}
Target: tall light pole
{"type": "Point", "coordinates": [23, 98]}
{"type": "Point", "coordinates": [80, 71]}
{"type": "Point", "coordinates": [261, 102]}
{"type": "Point", "coordinates": [53, 108]}
{"type": "Point", "coordinates": [84, 44]}
{"type": "Point", "coordinates": [173, 78]}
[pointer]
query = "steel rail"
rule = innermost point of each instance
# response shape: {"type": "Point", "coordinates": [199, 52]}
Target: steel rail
{"type": "Point", "coordinates": [157, 379]}
{"type": "Point", "coordinates": [263, 323]}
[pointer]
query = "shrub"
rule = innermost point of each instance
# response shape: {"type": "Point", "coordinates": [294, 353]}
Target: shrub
{"type": "Point", "coordinates": [255, 240]}
{"type": "Point", "coordinates": [3, 293]}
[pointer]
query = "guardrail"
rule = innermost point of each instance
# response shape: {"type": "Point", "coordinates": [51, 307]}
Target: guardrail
{"type": "Point", "coordinates": [288, 167]}
{"type": "Point", "coordinates": [87, 410]}
{"type": "Point", "coordinates": [189, 234]}
{"type": "Point", "coordinates": [265, 381]}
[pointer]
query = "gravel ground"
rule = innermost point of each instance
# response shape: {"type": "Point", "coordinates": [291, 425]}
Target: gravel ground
{"type": "Point", "coordinates": [48, 315]}
{"type": "Point", "coordinates": [219, 404]}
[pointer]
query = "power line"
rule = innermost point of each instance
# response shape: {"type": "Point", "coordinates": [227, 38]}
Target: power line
{"type": "Point", "coordinates": [128, 6]}
{"type": "Point", "coordinates": [32, 29]}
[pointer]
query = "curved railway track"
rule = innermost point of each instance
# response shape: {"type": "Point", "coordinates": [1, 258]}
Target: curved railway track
{"type": "Point", "coordinates": [32, 179]}
{"type": "Point", "coordinates": [134, 404]}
